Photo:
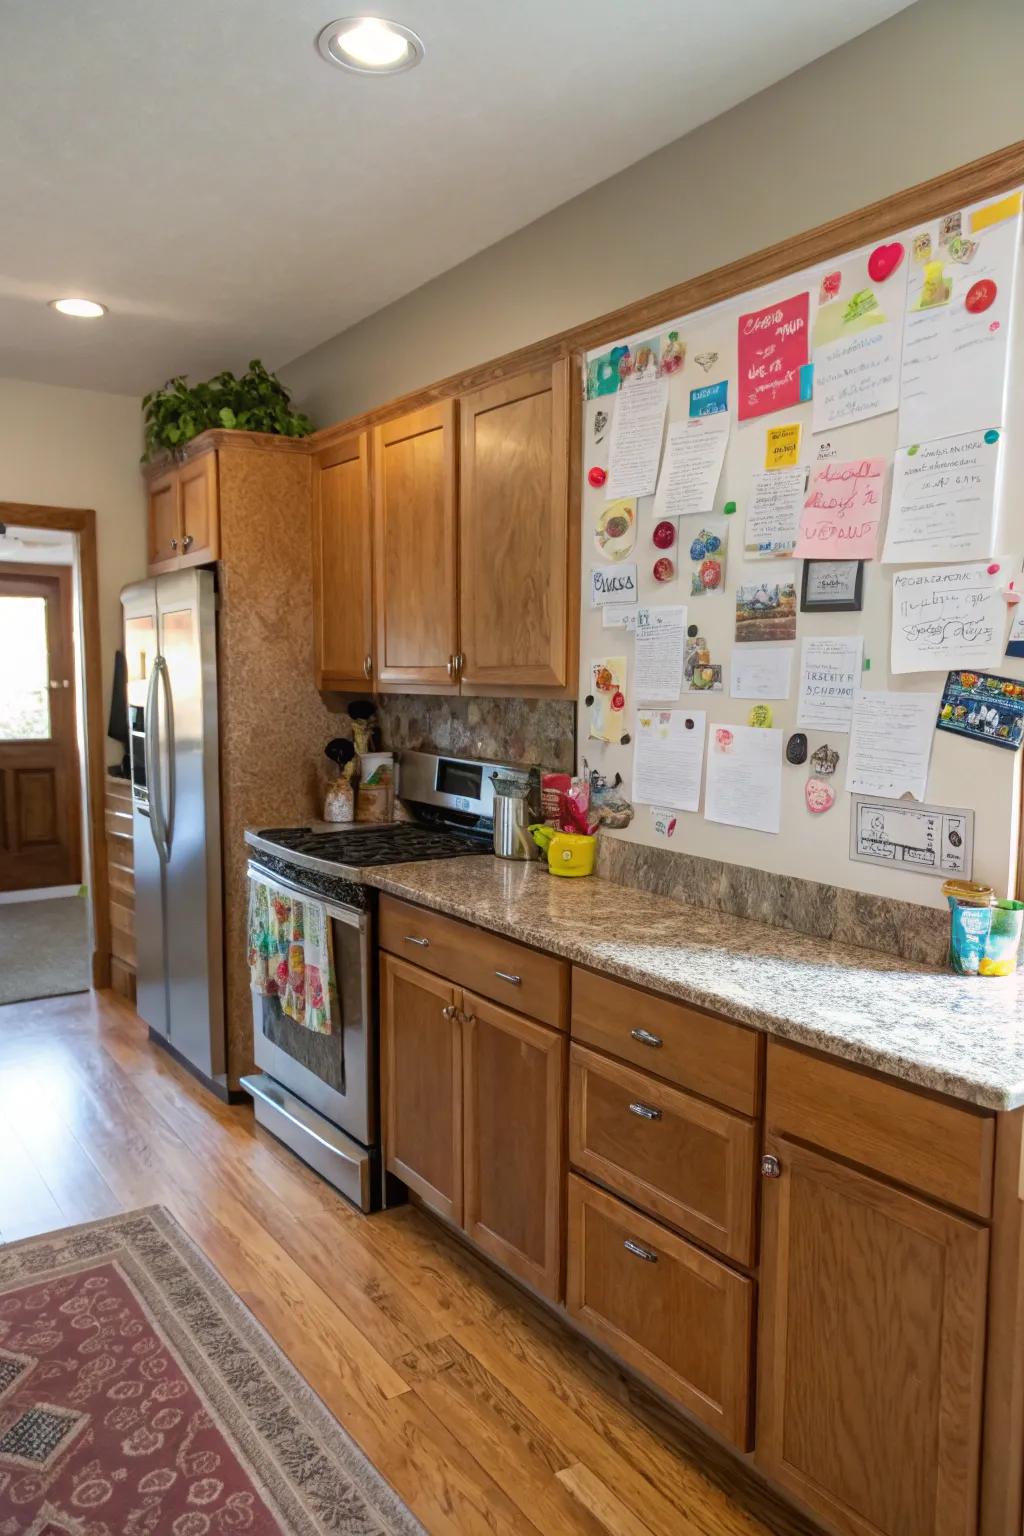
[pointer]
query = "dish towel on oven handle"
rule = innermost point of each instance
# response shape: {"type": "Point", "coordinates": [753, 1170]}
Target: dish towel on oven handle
{"type": "Point", "coordinates": [290, 953]}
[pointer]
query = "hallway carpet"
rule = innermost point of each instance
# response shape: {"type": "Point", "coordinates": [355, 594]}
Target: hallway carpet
{"type": "Point", "coordinates": [44, 948]}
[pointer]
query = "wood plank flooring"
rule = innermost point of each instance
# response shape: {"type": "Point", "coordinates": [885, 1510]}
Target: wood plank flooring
{"type": "Point", "coordinates": [482, 1410]}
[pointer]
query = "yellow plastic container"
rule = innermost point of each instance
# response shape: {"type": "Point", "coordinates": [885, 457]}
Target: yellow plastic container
{"type": "Point", "coordinates": [572, 853]}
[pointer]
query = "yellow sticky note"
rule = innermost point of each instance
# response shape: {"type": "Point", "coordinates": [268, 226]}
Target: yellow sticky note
{"type": "Point", "coordinates": [994, 213]}
{"type": "Point", "coordinates": [782, 446]}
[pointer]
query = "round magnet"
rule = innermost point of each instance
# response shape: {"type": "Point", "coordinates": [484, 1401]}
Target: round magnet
{"type": "Point", "coordinates": [692, 631]}
{"type": "Point", "coordinates": [618, 699]}
{"type": "Point", "coordinates": [819, 796]}
{"type": "Point", "coordinates": [993, 568]}
{"type": "Point", "coordinates": [664, 570]}
{"type": "Point", "coordinates": [991, 436]}
{"type": "Point", "coordinates": [884, 260]}
{"type": "Point", "coordinates": [729, 508]}
{"type": "Point", "coordinates": [760, 716]}
{"type": "Point", "coordinates": [723, 738]}
{"type": "Point", "coordinates": [796, 748]}
{"type": "Point", "coordinates": [664, 535]}
{"type": "Point", "coordinates": [980, 296]}
{"type": "Point", "coordinates": [625, 740]}
{"type": "Point", "coordinates": [711, 574]}
{"type": "Point", "coordinates": [597, 476]}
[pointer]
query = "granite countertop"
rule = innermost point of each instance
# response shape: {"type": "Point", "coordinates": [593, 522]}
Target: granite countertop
{"type": "Point", "coordinates": [959, 1035]}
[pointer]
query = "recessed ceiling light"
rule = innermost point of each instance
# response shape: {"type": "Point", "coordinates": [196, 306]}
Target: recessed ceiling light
{"type": "Point", "coordinates": [370, 45]}
{"type": "Point", "coordinates": [82, 309]}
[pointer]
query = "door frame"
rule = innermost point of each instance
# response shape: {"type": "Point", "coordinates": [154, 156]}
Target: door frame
{"type": "Point", "coordinates": [82, 521]}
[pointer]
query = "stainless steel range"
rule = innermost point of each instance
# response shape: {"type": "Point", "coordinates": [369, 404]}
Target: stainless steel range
{"type": "Point", "coordinates": [318, 1093]}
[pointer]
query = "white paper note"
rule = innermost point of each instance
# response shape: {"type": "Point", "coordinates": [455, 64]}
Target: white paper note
{"type": "Point", "coordinates": [830, 672]}
{"type": "Point", "coordinates": [857, 336]}
{"type": "Point", "coordinates": [948, 616]}
{"type": "Point", "coordinates": [612, 584]}
{"type": "Point", "coordinates": [943, 503]}
{"type": "Point", "coordinates": [773, 515]}
{"type": "Point", "coordinates": [634, 452]}
{"type": "Point", "coordinates": [660, 647]}
{"type": "Point", "coordinates": [690, 471]}
{"type": "Point", "coordinates": [760, 672]}
{"type": "Point", "coordinates": [618, 616]}
{"type": "Point", "coordinates": [668, 757]}
{"type": "Point", "coordinates": [744, 783]}
{"type": "Point", "coordinates": [891, 743]}
{"type": "Point", "coordinates": [953, 374]}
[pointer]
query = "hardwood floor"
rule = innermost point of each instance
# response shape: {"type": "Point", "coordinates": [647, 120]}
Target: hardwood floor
{"type": "Point", "coordinates": [483, 1411]}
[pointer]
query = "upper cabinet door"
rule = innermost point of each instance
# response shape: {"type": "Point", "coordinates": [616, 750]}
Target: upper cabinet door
{"type": "Point", "coordinates": [414, 551]}
{"type": "Point", "coordinates": [200, 521]}
{"type": "Point", "coordinates": [514, 533]}
{"type": "Point", "coordinates": [342, 565]}
{"type": "Point", "coordinates": [163, 508]}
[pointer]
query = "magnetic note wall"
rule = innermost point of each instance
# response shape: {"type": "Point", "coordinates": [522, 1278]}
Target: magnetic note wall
{"type": "Point", "coordinates": [898, 363]}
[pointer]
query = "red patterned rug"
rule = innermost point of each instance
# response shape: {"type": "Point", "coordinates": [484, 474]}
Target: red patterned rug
{"type": "Point", "coordinates": [139, 1397]}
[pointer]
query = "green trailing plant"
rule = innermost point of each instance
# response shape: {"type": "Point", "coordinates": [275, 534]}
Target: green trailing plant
{"type": "Point", "coordinates": [257, 402]}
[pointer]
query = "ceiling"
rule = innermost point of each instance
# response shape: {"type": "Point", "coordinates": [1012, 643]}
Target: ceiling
{"type": "Point", "coordinates": [199, 169]}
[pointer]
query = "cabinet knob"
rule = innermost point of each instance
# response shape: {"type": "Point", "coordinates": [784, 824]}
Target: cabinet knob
{"type": "Point", "coordinates": [646, 1038]}
{"type": "Point", "coordinates": [645, 1111]}
{"type": "Point", "coordinates": [451, 666]}
{"type": "Point", "coordinates": [367, 666]}
{"type": "Point", "coordinates": [449, 1011]}
{"type": "Point", "coordinates": [187, 540]}
{"type": "Point", "coordinates": [640, 1252]}
{"type": "Point", "coordinates": [459, 659]}
{"type": "Point", "coordinates": [771, 1168]}
{"type": "Point", "coordinates": [174, 543]}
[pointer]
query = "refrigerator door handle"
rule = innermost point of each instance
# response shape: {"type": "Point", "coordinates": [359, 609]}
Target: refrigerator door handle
{"type": "Point", "coordinates": [167, 812]}
{"type": "Point", "coordinates": [152, 739]}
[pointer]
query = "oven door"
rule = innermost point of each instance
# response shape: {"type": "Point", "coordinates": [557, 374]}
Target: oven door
{"type": "Point", "coordinates": [335, 1074]}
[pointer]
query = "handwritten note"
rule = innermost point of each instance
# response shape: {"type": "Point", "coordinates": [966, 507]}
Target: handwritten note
{"type": "Point", "coordinates": [857, 337]}
{"type": "Point", "coordinates": [634, 451]}
{"type": "Point", "coordinates": [943, 503]}
{"type": "Point", "coordinates": [668, 757]}
{"type": "Point", "coordinates": [760, 672]}
{"type": "Point", "coordinates": [612, 584]}
{"type": "Point", "coordinates": [772, 345]}
{"type": "Point", "coordinates": [950, 616]}
{"type": "Point", "coordinates": [782, 446]}
{"type": "Point", "coordinates": [830, 671]}
{"type": "Point", "coordinates": [773, 514]}
{"type": "Point", "coordinates": [744, 787]}
{"type": "Point", "coordinates": [890, 743]}
{"type": "Point", "coordinates": [660, 647]}
{"type": "Point", "coordinates": [690, 471]}
{"type": "Point", "coordinates": [842, 511]}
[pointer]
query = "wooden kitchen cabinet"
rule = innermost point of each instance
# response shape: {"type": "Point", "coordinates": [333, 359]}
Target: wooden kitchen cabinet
{"type": "Point", "coordinates": [514, 586]}
{"type": "Point", "coordinates": [421, 1079]}
{"type": "Point", "coordinates": [871, 1337]}
{"type": "Point", "coordinates": [514, 1132]}
{"type": "Point", "coordinates": [342, 565]}
{"type": "Point", "coordinates": [183, 524]}
{"type": "Point", "coordinates": [415, 581]}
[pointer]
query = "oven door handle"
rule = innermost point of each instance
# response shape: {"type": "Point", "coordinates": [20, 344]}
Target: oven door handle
{"type": "Point", "coordinates": [347, 915]}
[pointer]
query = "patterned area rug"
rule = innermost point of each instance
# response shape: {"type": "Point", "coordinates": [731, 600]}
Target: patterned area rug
{"type": "Point", "coordinates": [139, 1397]}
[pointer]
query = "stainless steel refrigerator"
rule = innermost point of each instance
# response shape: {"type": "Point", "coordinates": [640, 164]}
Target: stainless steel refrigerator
{"type": "Point", "coordinates": [171, 649]}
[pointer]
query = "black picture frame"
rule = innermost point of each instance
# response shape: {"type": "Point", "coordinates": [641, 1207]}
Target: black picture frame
{"type": "Point", "coordinates": [852, 604]}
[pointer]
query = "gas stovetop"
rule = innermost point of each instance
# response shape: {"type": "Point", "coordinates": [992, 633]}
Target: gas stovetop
{"type": "Point", "coordinates": [359, 847]}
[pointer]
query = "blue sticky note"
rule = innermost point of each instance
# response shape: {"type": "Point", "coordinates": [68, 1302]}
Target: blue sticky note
{"type": "Point", "coordinates": [710, 399]}
{"type": "Point", "coordinates": [806, 381]}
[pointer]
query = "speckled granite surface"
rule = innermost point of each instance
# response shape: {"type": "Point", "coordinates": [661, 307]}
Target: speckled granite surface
{"type": "Point", "coordinates": [957, 1035]}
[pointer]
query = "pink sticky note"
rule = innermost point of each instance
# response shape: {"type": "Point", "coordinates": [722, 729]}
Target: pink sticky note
{"type": "Point", "coordinates": [772, 345]}
{"type": "Point", "coordinates": [842, 510]}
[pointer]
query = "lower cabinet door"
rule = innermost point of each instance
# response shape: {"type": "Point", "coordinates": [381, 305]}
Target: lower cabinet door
{"type": "Point", "coordinates": [678, 1316]}
{"type": "Point", "coordinates": [871, 1335]}
{"type": "Point", "coordinates": [514, 1136]}
{"type": "Point", "coordinates": [421, 1084]}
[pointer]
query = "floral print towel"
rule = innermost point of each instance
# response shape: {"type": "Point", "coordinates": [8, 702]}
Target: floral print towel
{"type": "Point", "coordinates": [290, 954]}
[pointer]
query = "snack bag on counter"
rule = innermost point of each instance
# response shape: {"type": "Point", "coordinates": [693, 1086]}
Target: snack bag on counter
{"type": "Point", "coordinates": [552, 787]}
{"type": "Point", "coordinates": [574, 807]}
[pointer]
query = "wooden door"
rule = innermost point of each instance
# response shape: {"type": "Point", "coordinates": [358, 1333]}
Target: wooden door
{"type": "Point", "coordinates": [421, 1084]}
{"type": "Point", "coordinates": [40, 788]}
{"type": "Point", "coordinates": [414, 554]}
{"type": "Point", "coordinates": [872, 1322]}
{"type": "Point", "coordinates": [342, 565]}
{"type": "Point", "coordinates": [163, 512]}
{"type": "Point", "coordinates": [514, 533]}
{"type": "Point", "coordinates": [198, 494]}
{"type": "Point", "coordinates": [514, 1119]}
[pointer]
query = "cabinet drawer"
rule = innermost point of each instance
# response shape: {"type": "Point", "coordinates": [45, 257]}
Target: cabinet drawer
{"type": "Point", "coordinates": [507, 972]}
{"type": "Point", "coordinates": [712, 1056]}
{"type": "Point", "coordinates": [686, 1161]}
{"type": "Point", "coordinates": [942, 1149]}
{"type": "Point", "coordinates": [681, 1318]}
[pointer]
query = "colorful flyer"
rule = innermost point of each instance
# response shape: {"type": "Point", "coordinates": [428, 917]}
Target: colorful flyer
{"type": "Point", "coordinates": [710, 399]}
{"type": "Point", "coordinates": [766, 611]}
{"type": "Point", "coordinates": [608, 710]}
{"type": "Point", "coordinates": [984, 707]}
{"type": "Point", "coordinates": [707, 561]}
{"type": "Point", "coordinates": [773, 348]}
{"type": "Point", "coordinates": [842, 511]}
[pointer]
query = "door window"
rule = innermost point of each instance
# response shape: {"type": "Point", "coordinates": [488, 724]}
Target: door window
{"type": "Point", "coordinates": [24, 669]}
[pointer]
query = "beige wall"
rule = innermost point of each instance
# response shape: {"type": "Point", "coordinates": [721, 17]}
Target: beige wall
{"type": "Point", "coordinates": [934, 87]}
{"type": "Point", "coordinates": [80, 448]}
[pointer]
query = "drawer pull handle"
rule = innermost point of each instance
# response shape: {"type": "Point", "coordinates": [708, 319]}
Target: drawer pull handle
{"type": "Point", "coordinates": [645, 1111]}
{"type": "Point", "coordinates": [423, 943]}
{"type": "Point", "coordinates": [646, 1038]}
{"type": "Point", "coordinates": [513, 981]}
{"type": "Point", "coordinates": [640, 1252]}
